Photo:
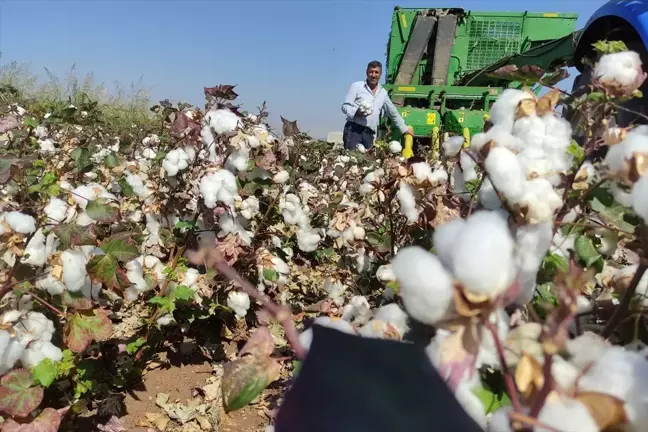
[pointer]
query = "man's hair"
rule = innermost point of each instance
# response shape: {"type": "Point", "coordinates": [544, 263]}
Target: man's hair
{"type": "Point", "coordinates": [374, 64]}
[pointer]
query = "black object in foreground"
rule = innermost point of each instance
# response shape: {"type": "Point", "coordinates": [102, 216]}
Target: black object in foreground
{"type": "Point", "coordinates": [353, 384]}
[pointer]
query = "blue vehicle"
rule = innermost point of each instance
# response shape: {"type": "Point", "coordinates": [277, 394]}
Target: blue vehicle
{"type": "Point", "coordinates": [618, 20]}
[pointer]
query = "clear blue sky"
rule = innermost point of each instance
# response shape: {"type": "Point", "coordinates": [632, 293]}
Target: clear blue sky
{"type": "Point", "coordinates": [299, 56]}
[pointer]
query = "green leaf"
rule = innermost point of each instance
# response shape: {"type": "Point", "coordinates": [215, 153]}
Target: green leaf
{"type": "Point", "coordinates": [71, 234]}
{"type": "Point", "coordinates": [471, 186]}
{"type": "Point", "coordinates": [123, 250]}
{"type": "Point", "coordinates": [577, 152]}
{"type": "Point", "coordinates": [381, 242]}
{"type": "Point", "coordinates": [163, 302]}
{"type": "Point", "coordinates": [66, 364]}
{"type": "Point", "coordinates": [84, 327]}
{"type": "Point", "coordinates": [183, 292]}
{"type": "Point", "coordinates": [596, 96]}
{"type": "Point", "coordinates": [11, 165]}
{"type": "Point", "coordinates": [17, 396]}
{"type": "Point", "coordinates": [81, 158]}
{"type": "Point", "coordinates": [132, 347]}
{"type": "Point", "coordinates": [612, 212]}
{"type": "Point", "coordinates": [609, 47]}
{"type": "Point", "coordinates": [45, 373]}
{"type": "Point", "coordinates": [101, 211]}
{"type": "Point", "coordinates": [126, 189]}
{"type": "Point", "coordinates": [111, 160]}
{"type": "Point", "coordinates": [182, 225]}
{"type": "Point", "coordinates": [584, 247]}
{"type": "Point", "coordinates": [270, 275]}
{"type": "Point", "coordinates": [491, 401]}
{"type": "Point", "coordinates": [552, 264]}
{"type": "Point", "coordinates": [105, 268]}
{"type": "Point", "coordinates": [30, 122]}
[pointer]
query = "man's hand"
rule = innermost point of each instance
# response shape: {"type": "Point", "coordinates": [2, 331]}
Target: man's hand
{"type": "Point", "coordinates": [360, 113]}
{"type": "Point", "coordinates": [409, 130]}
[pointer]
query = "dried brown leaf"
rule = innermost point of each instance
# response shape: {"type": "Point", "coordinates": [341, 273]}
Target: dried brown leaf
{"type": "Point", "coordinates": [548, 102]}
{"type": "Point", "coordinates": [607, 411]}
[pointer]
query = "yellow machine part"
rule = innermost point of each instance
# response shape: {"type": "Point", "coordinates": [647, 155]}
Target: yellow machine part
{"type": "Point", "coordinates": [466, 135]}
{"type": "Point", "coordinates": [408, 149]}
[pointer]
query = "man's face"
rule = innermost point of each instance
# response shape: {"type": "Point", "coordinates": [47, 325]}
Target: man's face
{"type": "Point", "coordinates": [373, 75]}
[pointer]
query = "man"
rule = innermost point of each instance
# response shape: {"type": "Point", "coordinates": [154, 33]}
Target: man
{"type": "Point", "coordinates": [361, 127]}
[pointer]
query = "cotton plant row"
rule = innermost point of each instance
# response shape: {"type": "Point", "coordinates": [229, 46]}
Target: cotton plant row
{"type": "Point", "coordinates": [527, 182]}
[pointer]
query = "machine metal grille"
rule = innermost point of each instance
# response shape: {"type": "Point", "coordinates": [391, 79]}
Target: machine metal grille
{"type": "Point", "coordinates": [490, 41]}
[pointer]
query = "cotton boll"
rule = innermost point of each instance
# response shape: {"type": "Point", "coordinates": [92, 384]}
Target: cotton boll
{"type": "Point", "coordinates": [281, 177]}
{"type": "Point", "coordinates": [500, 420]}
{"type": "Point", "coordinates": [175, 161]}
{"type": "Point", "coordinates": [453, 145]}
{"type": "Point", "coordinates": [238, 161]}
{"type": "Point", "coordinates": [621, 196]}
{"type": "Point", "coordinates": [488, 196]}
{"type": "Point", "coordinates": [425, 286]}
{"type": "Point", "coordinates": [219, 186]}
{"type": "Point", "coordinates": [50, 284]}
{"type": "Point", "coordinates": [502, 113]}
{"type": "Point", "coordinates": [531, 130]}
{"type": "Point", "coordinates": [444, 239]}
{"type": "Point", "coordinates": [239, 302]}
{"type": "Point", "coordinates": [55, 210]}
{"type": "Point", "coordinates": [395, 316]}
{"type": "Point", "coordinates": [74, 269]}
{"type": "Point", "coordinates": [471, 404]}
{"type": "Point", "coordinates": [422, 171]}
{"type": "Point", "coordinates": [308, 239]}
{"type": "Point", "coordinates": [622, 374]}
{"type": "Point", "coordinates": [165, 320]}
{"type": "Point", "coordinates": [565, 415]}
{"type": "Point", "coordinates": [484, 268]}
{"type": "Point", "coordinates": [531, 245]}
{"type": "Point", "coordinates": [540, 200]}
{"type": "Point", "coordinates": [468, 167]}
{"type": "Point", "coordinates": [586, 349]}
{"type": "Point", "coordinates": [36, 251]}
{"type": "Point", "coordinates": [639, 197]}
{"type": "Point", "coordinates": [138, 186]}
{"type": "Point", "coordinates": [36, 327]}
{"type": "Point", "coordinates": [618, 154]}
{"type": "Point", "coordinates": [357, 310]}
{"type": "Point", "coordinates": [223, 121]}
{"type": "Point", "coordinates": [11, 349]}
{"type": "Point", "coordinates": [385, 273]}
{"type": "Point", "coordinates": [47, 146]}
{"type": "Point", "coordinates": [407, 202]}
{"type": "Point", "coordinates": [395, 147]}
{"type": "Point", "coordinates": [505, 172]}
{"type": "Point", "coordinates": [622, 69]}
{"type": "Point", "coordinates": [250, 207]}
{"type": "Point", "coordinates": [19, 222]}
{"type": "Point", "coordinates": [39, 351]}
{"type": "Point", "coordinates": [487, 354]}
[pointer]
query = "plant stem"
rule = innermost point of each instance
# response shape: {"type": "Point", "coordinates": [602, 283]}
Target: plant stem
{"type": "Point", "coordinates": [508, 379]}
{"type": "Point", "coordinates": [624, 305]}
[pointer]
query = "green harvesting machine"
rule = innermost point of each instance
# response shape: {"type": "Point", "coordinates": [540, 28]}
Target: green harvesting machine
{"type": "Point", "coordinates": [440, 64]}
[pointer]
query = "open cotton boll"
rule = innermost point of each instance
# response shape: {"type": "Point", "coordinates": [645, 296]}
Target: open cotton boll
{"type": "Point", "coordinates": [218, 187]}
{"type": "Point", "coordinates": [50, 284]}
{"type": "Point", "coordinates": [385, 273]}
{"type": "Point", "coordinates": [444, 238]}
{"type": "Point", "coordinates": [531, 245]}
{"type": "Point", "coordinates": [484, 268]}
{"type": "Point", "coordinates": [453, 145]}
{"type": "Point", "coordinates": [239, 302]}
{"type": "Point", "coordinates": [46, 145]}
{"type": "Point", "coordinates": [19, 222]}
{"type": "Point", "coordinates": [488, 196]}
{"type": "Point", "coordinates": [281, 177]}
{"type": "Point", "coordinates": [500, 421]}
{"type": "Point", "coordinates": [10, 317]}
{"type": "Point", "coordinates": [566, 415]}
{"type": "Point", "coordinates": [468, 167]}
{"type": "Point", "coordinates": [36, 327]}
{"type": "Point", "coordinates": [531, 130]}
{"type": "Point", "coordinates": [223, 121]}
{"type": "Point", "coordinates": [357, 310]}
{"type": "Point", "coordinates": [307, 239]}
{"type": "Point", "coordinates": [621, 196]}
{"type": "Point", "coordinates": [557, 129]}
{"type": "Point", "coordinates": [487, 354]}
{"type": "Point", "coordinates": [407, 202]}
{"type": "Point", "coordinates": [619, 69]}
{"type": "Point", "coordinates": [619, 153]}
{"type": "Point", "coordinates": [639, 196]}
{"type": "Point", "coordinates": [234, 225]}
{"type": "Point", "coordinates": [502, 113]}
{"type": "Point", "coordinates": [395, 316]}
{"type": "Point", "coordinates": [505, 172]}
{"type": "Point", "coordinates": [422, 171]}
{"type": "Point", "coordinates": [38, 351]}
{"type": "Point", "coordinates": [622, 374]}
{"type": "Point", "coordinates": [40, 248]}
{"type": "Point", "coordinates": [425, 286]}
{"type": "Point", "coordinates": [336, 292]}
{"type": "Point", "coordinates": [74, 269]}
{"type": "Point", "coordinates": [55, 210]}
{"type": "Point", "coordinates": [175, 161]}
{"type": "Point", "coordinates": [586, 349]}
{"type": "Point", "coordinates": [395, 147]}
{"type": "Point", "coordinates": [541, 200]}
{"type": "Point", "coordinates": [11, 349]}
{"type": "Point", "coordinates": [250, 207]}
{"type": "Point", "coordinates": [238, 161]}
{"type": "Point", "coordinates": [471, 404]}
